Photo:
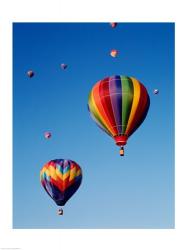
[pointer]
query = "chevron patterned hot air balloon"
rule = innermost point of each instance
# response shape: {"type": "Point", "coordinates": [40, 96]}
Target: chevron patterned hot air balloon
{"type": "Point", "coordinates": [119, 104]}
{"type": "Point", "coordinates": [61, 179]}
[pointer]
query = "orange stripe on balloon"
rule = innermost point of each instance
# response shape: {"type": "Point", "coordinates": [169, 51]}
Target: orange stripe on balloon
{"type": "Point", "coordinates": [96, 114]}
{"type": "Point", "coordinates": [72, 174]}
{"type": "Point", "coordinates": [100, 108]}
{"type": "Point", "coordinates": [59, 174]}
{"type": "Point", "coordinates": [66, 175]}
{"type": "Point", "coordinates": [65, 184]}
{"type": "Point", "coordinates": [78, 172]}
{"type": "Point", "coordinates": [52, 172]}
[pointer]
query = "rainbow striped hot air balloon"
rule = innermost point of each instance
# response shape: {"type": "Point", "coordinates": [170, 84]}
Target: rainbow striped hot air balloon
{"type": "Point", "coordinates": [119, 104]}
{"type": "Point", "coordinates": [61, 178]}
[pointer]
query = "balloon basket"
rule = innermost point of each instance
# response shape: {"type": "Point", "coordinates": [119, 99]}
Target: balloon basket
{"type": "Point", "coordinates": [60, 211]}
{"type": "Point", "coordinates": [121, 151]}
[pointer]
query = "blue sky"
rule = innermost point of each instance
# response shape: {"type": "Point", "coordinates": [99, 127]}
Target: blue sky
{"type": "Point", "coordinates": [134, 191]}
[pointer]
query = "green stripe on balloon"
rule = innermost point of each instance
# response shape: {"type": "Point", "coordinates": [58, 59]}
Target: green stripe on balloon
{"type": "Point", "coordinates": [127, 98]}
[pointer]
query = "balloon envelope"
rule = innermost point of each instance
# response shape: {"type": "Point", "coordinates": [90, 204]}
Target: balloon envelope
{"type": "Point", "coordinates": [118, 104]}
{"type": "Point", "coordinates": [61, 178]}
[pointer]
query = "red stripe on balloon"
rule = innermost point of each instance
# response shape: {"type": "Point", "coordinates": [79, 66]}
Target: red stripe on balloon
{"type": "Point", "coordinates": [65, 184]}
{"type": "Point", "coordinates": [70, 183]}
{"type": "Point", "coordinates": [106, 102]}
{"type": "Point", "coordinates": [97, 99]}
{"type": "Point", "coordinates": [57, 184]}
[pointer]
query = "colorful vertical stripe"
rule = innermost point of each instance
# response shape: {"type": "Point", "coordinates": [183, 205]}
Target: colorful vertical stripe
{"type": "Point", "coordinates": [61, 179]}
{"type": "Point", "coordinates": [118, 104]}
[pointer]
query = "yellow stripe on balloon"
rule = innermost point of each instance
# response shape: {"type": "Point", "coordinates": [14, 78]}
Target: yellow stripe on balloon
{"type": "Point", "coordinates": [135, 102]}
{"type": "Point", "coordinates": [59, 174]}
{"type": "Point", "coordinates": [66, 175]}
{"type": "Point", "coordinates": [99, 114]}
{"type": "Point", "coordinates": [42, 171]}
{"type": "Point", "coordinates": [72, 174]}
{"type": "Point", "coordinates": [78, 172]}
{"type": "Point", "coordinates": [47, 172]}
{"type": "Point", "coordinates": [52, 172]}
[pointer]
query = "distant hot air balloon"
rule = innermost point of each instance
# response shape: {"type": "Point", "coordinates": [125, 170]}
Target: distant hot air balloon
{"type": "Point", "coordinates": [119, 104]}
{"type": "Point", "coordinates": [61, 178]}
{"type": "Point", "coordinates": [63, 65]}
{"type": "Point", "coordinates": [47, 135]}
{"type": "Point", "coordinates": [113, 25]}
{"type": "Point", "coordinates": [114, 52]}
{"type": "Point", "coordinates": [156, 91]}
{"type": "Point", "coordinates": [30, 73]}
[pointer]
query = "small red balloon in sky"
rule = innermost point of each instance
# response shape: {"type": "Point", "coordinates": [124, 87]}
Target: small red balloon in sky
{"type": "Point", "coordinates": [30, 73]}
{"type": "Point", "coordinates": [114, 52]}
{"type": "Point", "coordinates": [113, 25]}
{"type": "Point", "coordinates": [47, 135]}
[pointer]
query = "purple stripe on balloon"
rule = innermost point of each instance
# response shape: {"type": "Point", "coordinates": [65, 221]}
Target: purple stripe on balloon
{"type": "Point", "coordinates": [116, 100]}
{"type": "Point", "coordinates": [48, 187]}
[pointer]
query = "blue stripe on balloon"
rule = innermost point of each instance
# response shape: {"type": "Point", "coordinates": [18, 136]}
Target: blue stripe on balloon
{"type": "Point", "coordinates": [63, 169]}
{"type": "Point", "coordinates": [46, 177]}
{"type": "Point", "coordinates": [49, 188]}
{"type": "Point", "coordinates": [59, 162]}
{"type": "Point", "coordinates": [66, 169]}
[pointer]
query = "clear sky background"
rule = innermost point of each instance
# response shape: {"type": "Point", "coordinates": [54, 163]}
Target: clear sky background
{"type": "Point", "coordinates": [134, 191]}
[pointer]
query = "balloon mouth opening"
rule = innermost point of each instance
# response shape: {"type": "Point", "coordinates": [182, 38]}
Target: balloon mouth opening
{"type": "Point", "coordinates": [121, 140]}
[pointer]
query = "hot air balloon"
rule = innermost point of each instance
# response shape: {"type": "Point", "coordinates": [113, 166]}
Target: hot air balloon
{"type": "Point", "coordinates": [113, 25]}
{"type": "Point", "coordinates": [47, 135]}
{"type": "Point", "coordinates": [156, 91]}
{"type": "Point", "coordinates": [114, 52]}
{"type": "Point", "coordinates": [61, 178]}
{"type": "Point", "coordinates": [118, 104]}
{"type": "Point", "coordinates": [63, 66]}
{"type": "Point", "coordinates": [30, 73]}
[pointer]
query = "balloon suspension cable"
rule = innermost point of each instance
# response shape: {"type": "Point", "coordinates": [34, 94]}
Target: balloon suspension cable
{"type": "Point", "coordinates": [60, 211]}
{"type": "Point", "coordinates": [121, 151]}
